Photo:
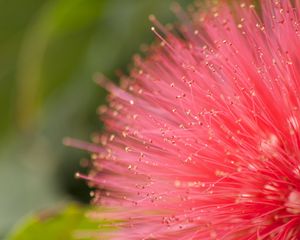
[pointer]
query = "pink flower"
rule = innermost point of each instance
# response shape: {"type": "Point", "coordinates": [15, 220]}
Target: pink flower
{"type": "Point", "coordinates": [203, 138]}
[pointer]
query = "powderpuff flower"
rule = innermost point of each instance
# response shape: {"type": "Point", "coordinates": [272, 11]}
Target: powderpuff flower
{"type": "Point", "coordinates": [203, 137]}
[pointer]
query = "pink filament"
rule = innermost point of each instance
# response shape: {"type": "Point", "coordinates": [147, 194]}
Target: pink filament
{"type": "Point", "coordinates": [203, 138]}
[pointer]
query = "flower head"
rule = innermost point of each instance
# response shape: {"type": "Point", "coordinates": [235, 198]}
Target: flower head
{"type": "Point", "coordinates": [203, 138]}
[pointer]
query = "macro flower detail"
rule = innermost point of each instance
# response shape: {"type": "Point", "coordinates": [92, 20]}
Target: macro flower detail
{"type": "Point", "coordinates": [203, 138]}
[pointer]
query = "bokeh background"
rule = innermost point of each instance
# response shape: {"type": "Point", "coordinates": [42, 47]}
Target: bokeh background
{"type": "Point", "coordinates": [49, 51]}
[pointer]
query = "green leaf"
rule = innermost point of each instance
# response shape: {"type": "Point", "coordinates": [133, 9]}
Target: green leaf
{"type": "Point", "coordinates": [71, 223]}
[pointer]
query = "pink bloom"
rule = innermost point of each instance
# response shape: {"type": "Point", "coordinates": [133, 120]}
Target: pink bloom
{"type": "Point", "coordinates": [203, 138]}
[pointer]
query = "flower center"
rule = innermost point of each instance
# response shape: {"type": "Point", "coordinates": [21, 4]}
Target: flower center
{"type": "Point", "coordinates": [293, 202]}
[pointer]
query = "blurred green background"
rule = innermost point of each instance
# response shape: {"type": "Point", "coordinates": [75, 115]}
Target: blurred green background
{"type": "Point", "coordinates": [49, 51]}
